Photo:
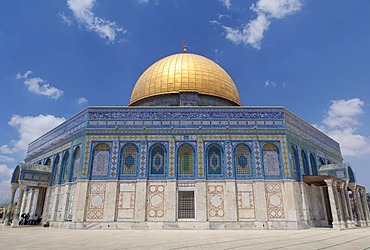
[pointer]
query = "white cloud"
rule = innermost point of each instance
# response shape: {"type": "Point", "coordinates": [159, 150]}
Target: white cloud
{"type": "Point", "coordinates": [341, 123]}
{"type": "Point", "coordinates": [270, 84]}
{"type": "Point", "coordinates": [82, 11]}
{"type": "Point", "coordinates": [253, 31]}
{"type": "Point", "coordinates": [24, 76]}
{"type": "Point", "coordinates": [343, 113]}
{"type": "Point", "coordinates": [39, 86]}
{"type": "Point", "coordinates": [81, 100]}
{"type": "Point", "coordinates": [65, 19]}
{"type": "Point", "coordinates": [5, 176]}
{"type": "Point", "coordinates": [143, 1]}
{"type": "Point", "coordinates": [227, 3]}
{"type": "Point", "coordinates": [29, 128]}
{"type": "Point", "coordinates": [4, 158]}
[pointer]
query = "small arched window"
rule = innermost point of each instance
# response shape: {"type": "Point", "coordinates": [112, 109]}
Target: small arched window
{"type": "Point", "coordinates": [186, 160]}
{"type": "Point", "coordinates": [313, 164]}
{"type": "Point", "coordinates": [76, 163]}
{"type": "Point", "coordinates": [214, 160]}
{"type": "Point", "coordinates": [157, 160]}
{"type": "Point", "coordinates": [271, 160]}
{"type": "Point", "coordinates": [242, 158]}
{"type": "Point", "coordinates": [65, 165]}
{"type": "Point", "coordinates": [100, 161]}
{"type": "Point", "coordinates": [306, 167]}
{"type": "Point", "coordinates": [129, 159]}
{"type": "Point", "coordinates": [56, 169]}
{"type": "Point", "coordinates": [47, 162]}
{"type": "Point", "coordinates": [294, 162]}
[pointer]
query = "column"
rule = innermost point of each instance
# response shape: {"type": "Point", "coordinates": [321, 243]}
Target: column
{"type": "Point", "coordinates": [14, 188]}
{"type": "Point", "coordinates": [18, 207]}
{"type": "Point", "coordinates": [360, 208]}
{"type": "Point", "coordinates": [346, 218]}
{"type": "Point", "coordinates": [349, 206]}
{"type": "Point", "coordinates": [333, 205]}
{"type": "Point", "coordinates": [339, 203]}
{"type": "Point", "coordinates": [364, 204]}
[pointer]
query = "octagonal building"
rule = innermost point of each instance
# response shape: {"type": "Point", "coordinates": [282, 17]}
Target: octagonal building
{"type": "Point", "coordinates": [184, 154]}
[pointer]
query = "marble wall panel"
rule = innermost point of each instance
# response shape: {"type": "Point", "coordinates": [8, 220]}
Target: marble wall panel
{"type": "Point", "coordinates": [96, 199]}
{"type": "Point", "coordinates": [216, 206]}
{"type": "Point", "coordinates": [156, 201]}
{"type": "Point", "coordinates": [126, 201]}
{"type": "Point", "coordinates": [274, 200]}
{"type": "Point", "coordinates": [245, 194]}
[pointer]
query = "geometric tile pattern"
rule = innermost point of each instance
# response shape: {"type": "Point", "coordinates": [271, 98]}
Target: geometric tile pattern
{"type": "Point", "coordinates": [245, 201]}
{"type": "Point", "coordinates": [172, 157]}
{"type": "Point", "coordinates": [129, 159]}
{"type": "Point", "coordinates": [214, 160]}
{"type": "Point", "coordinates": [100, 160]}
{"type": "Point", "coordinates": [156, 201]}
{"type": "Point", "coordinates": [229, 160]}
{"type": "Point", "coordinates": [142, 159]}
{"type": "Point", "coordinates": [95, 207]}
{"type": "Point", "coordinates": [126, 201]}
{"type": "Point", "coordinates": [271, 160]}
{"type": "Point", "coordinates": [71, 202]}
{"type": "Point", "coordinates": [51, 203]}
{"type": "Point", "coordinates": [86, 157]}
{"type": "Point", "coordinates": [113, 169]}
{"type": "Point", "coordinates": [200, 157]}
{"type": "Point", "coordinates": [216, 200]}
{"type": "Point", "coordinates": [76, 163]}
{"type": "Point", "coordinates": [257, 159]}
{"type": "Point", "coordinates": [242, 160]}
{"type": "Point", "coordinates": [186, 160]}
{"type": "Point", "coordinates": [285, 157]}
{"type": "Point", "coordinates": [274, 200]}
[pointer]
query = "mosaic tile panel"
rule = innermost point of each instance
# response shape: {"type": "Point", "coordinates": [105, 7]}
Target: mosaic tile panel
{"type": "Point", "coordinates": [96, 199]}
{"type": "Point", "coordinates": [86, 157]}
{"type": "Point", "coordinates": [156, 201]}
{"type": "Point", "coordinates": [129, 159]}
{"type": "Point", "coordinates": [229, 160]}
{"type": "Point", "coordinates": [51, 203]}
{"type": "Point", "coordinates": [157, 161]}
{"type": "Point", "coordinates": [76, 164]}
{"type": "Point", "coordinates": [257, 159]}
{"type": "Point", "coordinates": [214, 161]}
{"type": "Point", "coordinates": [126, 201]}
{"type": "Point", "coordinates": [100, 162]}
{"type": "Point", "coordinates": [285, 157]}
{"type": "Point", "coordinates": [171, 157]}
{"type": "Point", "coordinates": [142, 159]}
{"type": "Point", "coordinates": [71, 202]}
{"type": "Point", "coordinates": [246, 208]}
{"type": "Point", "coordinates": [274, 200]}
{"type": "Point", "coordinates": [186, 160]}
{"type": "Point", "coordinates": [61, 203]}
{"type": "Point", "coordinates": [216, 201]}
{"type": "Point", "coordinates": [200, 157]}
{"type": "Point", "coordinates": [113, 170]}
{"type": "Point", "coordinates": [242, 160]}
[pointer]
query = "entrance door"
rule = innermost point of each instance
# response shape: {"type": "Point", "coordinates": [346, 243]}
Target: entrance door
{"type": "Point", "coordinates": [186, 206]}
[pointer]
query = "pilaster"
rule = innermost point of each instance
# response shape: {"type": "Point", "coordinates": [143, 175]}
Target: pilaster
{"type": "Point", "coordinates": [333, 205]}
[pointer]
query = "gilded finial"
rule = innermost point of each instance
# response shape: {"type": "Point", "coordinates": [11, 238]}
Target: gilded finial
{"type": "Point", "coordinates": [185, 49]}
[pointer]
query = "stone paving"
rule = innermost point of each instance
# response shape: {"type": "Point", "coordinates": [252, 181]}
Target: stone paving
{"type": "Point", "coordinates": [53, 238]}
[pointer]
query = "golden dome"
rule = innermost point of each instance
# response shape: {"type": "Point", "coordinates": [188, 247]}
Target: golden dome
{"type": "Point", "coordinates": [185, 72]}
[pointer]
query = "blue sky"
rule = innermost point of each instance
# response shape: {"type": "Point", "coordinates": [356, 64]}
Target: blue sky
{"type": "Point", "coordinates": [58, 57]}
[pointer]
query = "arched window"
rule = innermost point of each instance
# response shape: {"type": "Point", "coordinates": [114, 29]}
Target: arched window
{"type": "Point", "coordinates": [294, 162]}
{"type": "Point", "coordinates": [242, 159]}
{"type": "Point", "coordinates": [65, 165]}
{"type": "Point", "coordinates": [186, 160]}
{"type": "Point", "coordinates": [271, 161]}
{"type": "Point", "coordinates": [214, 160]}
{"type": "Point", "coordinates": [48, 162]}
{"type": "Point", "coordinates": [129, 159]}
{"type": "Point", "coordinates": [306, 167]}
{"type": "Point", "coordinates": [56, 168]}
{"type": "Point", "coordinates": [313, 164]}
{"type": "Point", "coordinates": [157, 160]}
{"type": "Point", "coordinates": [76, 163]}
{"type": "Point", "coordinates": [100, 161]}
